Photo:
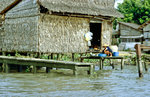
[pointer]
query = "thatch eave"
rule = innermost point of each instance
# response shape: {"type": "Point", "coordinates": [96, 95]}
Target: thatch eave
{"type": "Point", "coordinates": [89, 7]}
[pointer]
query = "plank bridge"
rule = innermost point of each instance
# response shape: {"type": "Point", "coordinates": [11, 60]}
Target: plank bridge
{"type": "Point", "coordinates": [75, 66]}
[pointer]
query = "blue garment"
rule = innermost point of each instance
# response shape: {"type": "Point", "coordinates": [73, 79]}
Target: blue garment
{"type": "Point", "coordinates": [108, 49]}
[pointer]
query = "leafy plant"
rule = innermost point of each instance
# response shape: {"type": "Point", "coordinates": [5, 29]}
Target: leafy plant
{"type": "Point", "coordinates": [135, 11]}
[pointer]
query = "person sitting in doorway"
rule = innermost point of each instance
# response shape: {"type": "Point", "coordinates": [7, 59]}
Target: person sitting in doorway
{"type": "Point", "coordinates": [107, 50]}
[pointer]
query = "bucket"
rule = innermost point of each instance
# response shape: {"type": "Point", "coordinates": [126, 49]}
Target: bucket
{"type": "Point", "coordinates": [114, 48]}
{"type": "Point", "coordinates": [115, 53]}
{"type": "Point", "coordinates": [102, 55]}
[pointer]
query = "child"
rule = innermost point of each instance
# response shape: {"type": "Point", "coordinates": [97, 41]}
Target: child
{"type": "Point", "coordinates": [107, 50]}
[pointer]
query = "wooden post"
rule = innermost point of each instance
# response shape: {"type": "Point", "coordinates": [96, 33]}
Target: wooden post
{"type": "Point", "coordinates": [80, 57]}
{"type": "Point", "coordinates": [145, 66]}
{"type": "Point", "coordinates": [7, 68]}
{"type": "Point", "coordinates": [58, 56]}
{"type": "Point", "coordinates": [139, 61]}
{"type": "Point", "coordinates": [47, 70]}
{"type": "Point", "coordinates": [72, 56]}
{"type": "Point", "coordinates": [111, 64]}
{"type": "Point", "coordinates": [3, 65]}
{"type": "Point", "coordinates": [103, 63]}
{"type": "Point", "coordinates": [100, 63]}
{"type": "Point", "coordinates": [75, 70]}
{"type": "Point", "coordinates": [91, 69]}
{"type": "Point", "coordinates": [34, 69]}
{"type": "Point", "coordinates": [122, 64]}
{"type": "Point", "coordinates": [52, 55]}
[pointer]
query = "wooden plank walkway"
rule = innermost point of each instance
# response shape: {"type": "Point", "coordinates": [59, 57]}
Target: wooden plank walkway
{"type": "Point", "coordinates": [7, 61]}
{"type": "Point", "coordinates": [101, 60]}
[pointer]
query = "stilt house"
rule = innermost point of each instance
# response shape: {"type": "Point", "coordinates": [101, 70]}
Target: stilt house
{"type": "Point", "coordinates": [146, 32]}
{"type": "Point", "coordinates": [57, 26]}
{"type": "Point", "coordinates": [129, 35]}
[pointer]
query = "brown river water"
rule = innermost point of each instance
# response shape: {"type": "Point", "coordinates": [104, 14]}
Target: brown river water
{"type": "Point", "coordinates": [61, 83]}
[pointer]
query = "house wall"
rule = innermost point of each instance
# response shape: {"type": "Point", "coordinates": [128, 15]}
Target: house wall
{"type": "Point", "coordinates": [147, 28]}
{"type": "Point", "coordinates": [128, 31]}
{"type": "Point", "coordinates": [1, 32]}
{"type": "Point", "coordinates": [107, 29]}
{"type": "Point", "coordinates": [128, 45]}
{"type": "Point", "coordinates": [62, 34]}
{"type": "Point", "coordinates": [147, 32]}
{"type": "Point", "coordinates": [21, 27]}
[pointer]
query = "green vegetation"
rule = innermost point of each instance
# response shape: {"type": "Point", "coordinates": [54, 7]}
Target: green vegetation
{"type": "Point", "coordinates": [135, 11]}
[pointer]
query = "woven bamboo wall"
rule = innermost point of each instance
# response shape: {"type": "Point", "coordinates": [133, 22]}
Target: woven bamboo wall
{"type": "Point", "coordinates": [62, 34]}
{"type": "Point", "coordinates": [1, 32]}
{"type": "Point", "coordinates": [20, 28]}
{"type": "Point", "coordinates": [107, 28]}
{"type": "Point", "coordinates": [21, 34]}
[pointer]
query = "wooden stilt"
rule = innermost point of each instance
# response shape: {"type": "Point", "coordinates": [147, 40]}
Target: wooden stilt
{"type": "Point", "coordinates": [75, 70]}
{"type": "Point", "coordinates": [52, 55]}
{"type": "Point", "coordinates": [34, 69]}
{"type": "Point", "coordinates": [57, 56]}
{"type": "Point", "coordinates": [112, 64]}
{"type": "Point", "coordinates": [47, 69]}
{"type": "Point", "coordinates": [3, 65]}
{"type": "Point", "coordinates": [91, 69]}
{"type": "Point", "coordinates": [122, 64]}
{"type": "Point", "coordinates": [145, 66]}
{"type": "Point", "coordinates": [72, 56]}
{"type": "Point", "coordinates": [7, 68]}
{"type": "Point", "coordinates": [139, 61]}
{"type": "Point", "coordinates": [101, 63]}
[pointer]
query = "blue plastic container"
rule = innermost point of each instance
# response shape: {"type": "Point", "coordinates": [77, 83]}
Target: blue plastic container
{"type": "Point", "coordinates": [115, 53]}
{"type": "Point", "coordinates": [102, 55]}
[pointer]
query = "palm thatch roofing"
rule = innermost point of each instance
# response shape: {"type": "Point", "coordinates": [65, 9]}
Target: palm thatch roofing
{"type": "Point", "coordinates": [132, 25]}
{"type": "Point", "coordinates": [5, 5]}
{"type": "Point", "coordinates": [87, 7]}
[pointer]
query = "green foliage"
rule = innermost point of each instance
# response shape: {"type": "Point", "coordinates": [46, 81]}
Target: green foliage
{"type": "Point", "coordinates": [27, 69]}
{"type": "Point", "coordinates": [17, 54]}
{"type": "Point", "coordinates": [135, 11]}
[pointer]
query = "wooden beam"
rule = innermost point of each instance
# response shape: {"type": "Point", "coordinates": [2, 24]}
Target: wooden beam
{"type": "Point", "coordinates": [10, 6]}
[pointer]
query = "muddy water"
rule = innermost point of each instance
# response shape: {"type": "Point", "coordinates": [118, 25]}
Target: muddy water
{"type": "Point", "coordinates": [106, 83]}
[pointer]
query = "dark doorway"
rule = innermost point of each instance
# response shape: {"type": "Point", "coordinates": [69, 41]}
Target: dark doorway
{"type": "Point", "coordinates": [95, 28]}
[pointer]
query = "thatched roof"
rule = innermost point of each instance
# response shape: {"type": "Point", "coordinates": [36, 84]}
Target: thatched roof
{"type": "Point", "coordinates": [5, 5]}
{"type": "Point", "coordinates": [132, 25]}
{"type": "Point", "coordinates": [88, 7]}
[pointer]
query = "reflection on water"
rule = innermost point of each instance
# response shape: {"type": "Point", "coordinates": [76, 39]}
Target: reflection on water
{"type": "Point", "coordinates": [106, 83]}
